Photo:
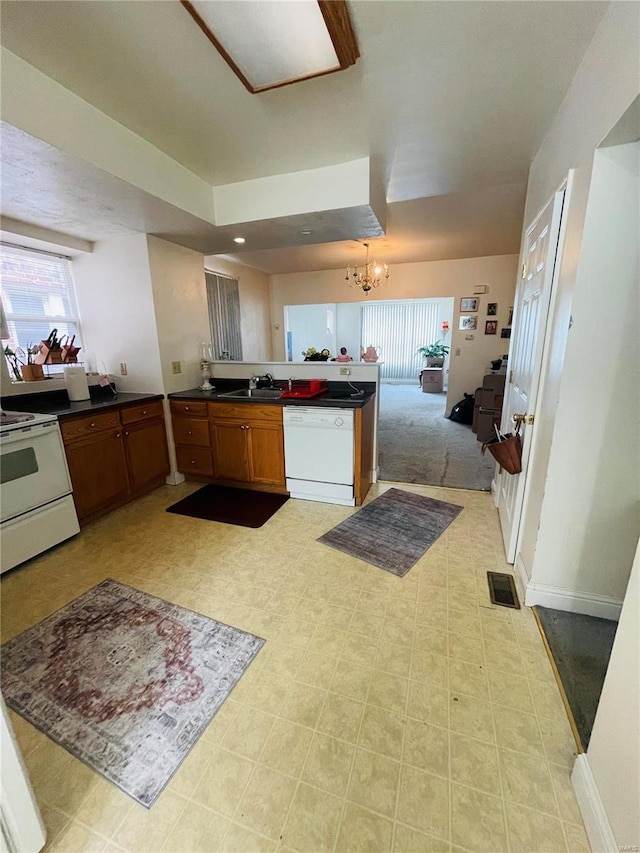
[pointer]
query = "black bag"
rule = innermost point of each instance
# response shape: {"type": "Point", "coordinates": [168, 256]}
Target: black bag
{"type": "Point", "coordinates": [462, 412]}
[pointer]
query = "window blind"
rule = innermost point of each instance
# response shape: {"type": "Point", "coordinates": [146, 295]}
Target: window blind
{"type": "Point", "coordinates": [399, 328]}
{"type": "Point", "coordinates": [223, 300]}
{"type": "Point", "coordinates": [37, 296]}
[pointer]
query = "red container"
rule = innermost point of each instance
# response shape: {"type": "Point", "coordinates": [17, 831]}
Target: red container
{"type": "Point", "coordinates": [304, 389]}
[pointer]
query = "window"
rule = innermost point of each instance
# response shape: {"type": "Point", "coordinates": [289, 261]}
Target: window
{"type": "Point", "coordinates": [224, 316]}
{"type": "Point", "coordinates": [399, 328]}
{"type": "Point", "coordinates": [37, 297]}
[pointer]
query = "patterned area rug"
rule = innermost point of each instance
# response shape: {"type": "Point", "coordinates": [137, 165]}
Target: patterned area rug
{"type": "Point", "coordinates": [393, 531]}
{"type": "Point", "coordinates": [125, 681]}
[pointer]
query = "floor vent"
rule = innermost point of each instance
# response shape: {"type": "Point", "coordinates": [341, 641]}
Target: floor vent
{"type": "Point", "coordinates": [502, 590]}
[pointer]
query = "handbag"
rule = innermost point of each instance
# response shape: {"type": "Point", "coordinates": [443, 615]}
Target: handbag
{"type": "Point", "coordinates": [506, 450]}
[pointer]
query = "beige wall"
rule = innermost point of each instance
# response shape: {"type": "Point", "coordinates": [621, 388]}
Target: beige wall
{"type": "Point", "coordinates": [181, 317]}
{"type": "Point", "coordinates": [115, 300]}
{"type": "Point", "coordinates": [254, 307]}
{"type": "Point", "coordinates": [413, 281]}
{"type": "Point", "coordinates": [614, 748]}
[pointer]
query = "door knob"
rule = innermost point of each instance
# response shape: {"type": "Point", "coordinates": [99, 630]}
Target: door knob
{"type": "Point", "coordinates": [523, 418]}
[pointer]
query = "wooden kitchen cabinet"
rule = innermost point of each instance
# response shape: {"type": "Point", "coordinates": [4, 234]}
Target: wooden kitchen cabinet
{"type": "Point", "coordinates": [147, 456]}
{"type": "Point", "coordinates": [235, 443]}
{"type": "Point", "coordinates": [98, 469]}
{"type": "Point", "coordinates": [190, 424]}
{"type": "Point", "coordinates": [115, 456]}
{"type": "Point", "coordinates": [248, 443]}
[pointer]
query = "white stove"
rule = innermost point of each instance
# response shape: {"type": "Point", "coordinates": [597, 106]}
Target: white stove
{"type": "Point", "coordinates": [36, 507]}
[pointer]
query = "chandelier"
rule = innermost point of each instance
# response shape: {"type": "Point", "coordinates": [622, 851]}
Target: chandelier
{"type": "Point", "coordinates": [373, 275]}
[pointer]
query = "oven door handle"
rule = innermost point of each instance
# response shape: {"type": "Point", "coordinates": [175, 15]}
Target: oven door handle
{"type": "Point", "coordinates": [25, 434]}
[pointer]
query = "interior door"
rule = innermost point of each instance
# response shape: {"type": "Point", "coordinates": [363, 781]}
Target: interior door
{"type": "Point", "coordinates": [525, 358]}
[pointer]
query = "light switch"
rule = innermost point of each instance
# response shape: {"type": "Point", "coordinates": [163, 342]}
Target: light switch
{"type": "Point", "coordinates": [176, 366]}
{"type": "Point", "coordinates": [457, 351]}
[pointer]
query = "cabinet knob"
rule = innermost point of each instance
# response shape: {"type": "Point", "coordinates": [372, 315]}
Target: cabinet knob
{"type": "Point", "coordinates": [186, 408]}
{"type": "Point", "coordinates": [117, 434]}
{"type": "Point", "coordinates": [189, 432]}
{"type": "Point", "coordinates": [193, 461]}
{"type": "Point", "coordinates": [92, 425]}
{"type": "Point", "coordinates": [144, 411]}
{"type": "Point", "coordinates": [126, 433]}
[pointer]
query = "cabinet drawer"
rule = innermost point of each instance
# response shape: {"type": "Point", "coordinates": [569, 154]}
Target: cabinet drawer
{"type": "Point", "coordinates": [246, 412]}
{"type": "Point", "coordinates": [81, 427]}
{"type": "Point", "coordinates": [191, 431]}
{"type": "Point", "coordinates": [194, 460]}
{"type": "Point", "coordinates": [189, 408]}
{"type": "Point", "coordinates": [141, 413]}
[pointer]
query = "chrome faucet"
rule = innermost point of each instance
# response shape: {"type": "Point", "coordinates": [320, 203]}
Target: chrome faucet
{"type": "Point", "coordinates": [253, 382]}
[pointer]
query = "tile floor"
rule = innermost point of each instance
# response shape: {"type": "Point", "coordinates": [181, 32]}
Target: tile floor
{"type": "Point", "coordinates": [383, 714]}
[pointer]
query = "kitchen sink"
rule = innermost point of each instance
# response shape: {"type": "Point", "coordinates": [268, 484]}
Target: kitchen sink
{"type": "Point", "coordinates": [258, 393]}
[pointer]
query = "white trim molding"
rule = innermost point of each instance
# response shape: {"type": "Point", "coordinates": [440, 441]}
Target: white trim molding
{"type": "Point", "coordinates": [592, 808]}
{"type": "Point", "coordinates": [586, 603]}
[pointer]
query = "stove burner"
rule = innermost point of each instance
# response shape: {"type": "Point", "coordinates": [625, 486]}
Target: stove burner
{"type": "Point", "coordinates": [14, 417]}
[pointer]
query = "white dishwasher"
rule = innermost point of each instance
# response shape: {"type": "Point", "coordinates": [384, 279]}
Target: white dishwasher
{"type": "Point", "coordinates": [318, 454]}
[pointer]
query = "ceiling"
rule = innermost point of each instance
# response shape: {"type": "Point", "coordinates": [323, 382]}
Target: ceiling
{"type": "Point", "coordinates": [450, 100]}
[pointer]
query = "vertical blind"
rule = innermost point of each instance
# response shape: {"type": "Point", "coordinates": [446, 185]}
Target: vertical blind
{"type": "Point", "coordinates": [399, 328]}
{"type": "Point", "coordinates": [224, 316]}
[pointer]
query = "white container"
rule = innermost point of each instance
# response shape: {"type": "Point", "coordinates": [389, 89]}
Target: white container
{"type": "Point", "coordinates": [77, 385]}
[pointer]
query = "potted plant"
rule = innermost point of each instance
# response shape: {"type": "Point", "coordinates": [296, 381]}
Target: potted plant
{"type": "Point", "coordinates": [434, 354]}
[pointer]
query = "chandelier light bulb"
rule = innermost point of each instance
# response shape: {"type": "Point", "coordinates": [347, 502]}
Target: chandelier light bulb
{"type": "Point", "coordinates": [374, 274]}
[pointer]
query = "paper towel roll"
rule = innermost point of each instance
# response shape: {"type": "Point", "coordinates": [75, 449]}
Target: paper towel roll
{"type": "Point", "coordinates": [77, 386]}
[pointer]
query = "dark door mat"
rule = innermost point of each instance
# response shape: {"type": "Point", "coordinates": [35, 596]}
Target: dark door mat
{"type": "Point", "coordinates": [502, 590]}
{"type": "Point", "coordinates": [581, 648]}
{"type": "Point", "coordinates": [243, 507]}
{"type": "Point", "coordinates": [393, 531]}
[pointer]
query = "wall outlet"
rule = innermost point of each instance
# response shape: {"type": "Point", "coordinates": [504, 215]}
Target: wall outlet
{"type": "Point", "coordinates": [176, 366]}
{"type": "Point", "coordinates": [123, 368]}
{"type": "Point", "coordinates": [345, 371]}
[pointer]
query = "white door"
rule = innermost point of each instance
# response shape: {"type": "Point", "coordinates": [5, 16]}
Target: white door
{"type": "Point", "coordinates": [525, 357]}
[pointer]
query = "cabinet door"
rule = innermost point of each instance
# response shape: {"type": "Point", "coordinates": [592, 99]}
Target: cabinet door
{"type": "Point", "coordinates": [230, 460]}
{"type": "Point", "coordinates": [98, 469]}
{"type": "Point", "coordinates": [266, 453]}
{"type": "Point", "coordinates": [147, 457]}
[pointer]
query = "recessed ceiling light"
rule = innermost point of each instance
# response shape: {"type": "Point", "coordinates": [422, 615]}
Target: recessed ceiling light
{"type": "Point", "coordinates": [239, 240]}
{"type": "Point", "coordinates": [306, 231]}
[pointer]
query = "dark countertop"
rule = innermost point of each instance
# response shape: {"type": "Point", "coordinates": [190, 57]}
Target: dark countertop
{"type": "Point", "coordinates": [335, 397]}
{"type": "Point", "coordinates": [58, 403]}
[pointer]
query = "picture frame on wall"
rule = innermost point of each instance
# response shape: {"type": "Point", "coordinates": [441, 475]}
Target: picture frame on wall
{"type": "Point", "coordinates": [505, 333]}
{"type": "Point", "coordinates": [468, 323]}
{"type": "Point", "coordinates": [492, 309]}
{"type": "Point", "coordinates": [491, 327]}
{"type": "Point", "coordinates": [510, 316]}
{"type": "Point", "coordinates": [469, 303]}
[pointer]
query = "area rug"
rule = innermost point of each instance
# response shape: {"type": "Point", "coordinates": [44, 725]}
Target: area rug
{"type": "Point", "coordinates": [393, 531]}
{"type": "Point", "coordinates": [125, 681]}
{"type": "Point", "coordinates": [243, 507]}
{"type": "Point", "coordinates": [581, 647]}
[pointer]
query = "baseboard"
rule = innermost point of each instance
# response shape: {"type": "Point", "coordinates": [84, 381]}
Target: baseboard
{"type": "Point", "coordinates": [595, 819]}
{"type": "Point", "coordinates": [586, 603]}
{"type": "Point", "coordinates": [174, 478]}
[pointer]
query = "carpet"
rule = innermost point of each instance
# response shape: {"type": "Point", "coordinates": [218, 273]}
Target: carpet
{"type": "Point", "coordinates": [581, 647]}
{"type": "Point", "coordinates": [125, 681]}
{"type": "Point", "coordinates": [417, 444]}
{"type": "Point", "coordinates": [393, 531]}
{"type": "Point", "coordinates": [243, 507]}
